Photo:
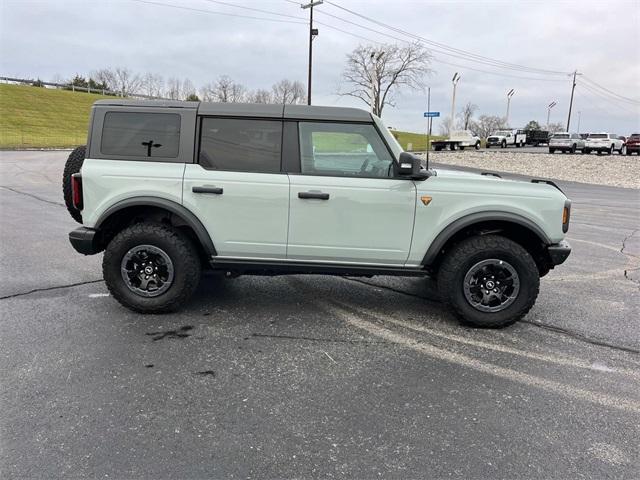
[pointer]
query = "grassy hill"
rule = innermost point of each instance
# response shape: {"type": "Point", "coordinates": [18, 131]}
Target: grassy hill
{"type": "Point", "coordinates": [42, 117]}
{"type": "Point", "coordinates": [417, 140]}
{"type": "Point", "coordinates": [32, 117]}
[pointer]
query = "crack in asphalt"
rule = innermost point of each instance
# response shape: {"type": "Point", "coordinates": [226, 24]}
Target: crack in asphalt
{"type": "Point", "coordinates": [624, 245]}
{"type": "Point", "coordinates": [581, 336]}
{"type": "Point", "coordinates": [316, 339]}
{"type": "Point", "coordinates": [33, 196]}
{"type": "Point", "coordinates": [564, 331]}
{"type": "Point", "coordinates": [397, 290]}
{"type": "Point", "coordinates": [57, 287]}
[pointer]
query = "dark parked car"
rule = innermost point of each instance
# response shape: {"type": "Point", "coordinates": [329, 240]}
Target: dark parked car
{"type": "Point", "coordinates": [633, 144]}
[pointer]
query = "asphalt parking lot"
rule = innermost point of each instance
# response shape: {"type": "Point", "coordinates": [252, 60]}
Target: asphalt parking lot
{"type": "Point", "coordinates": [313, 376]}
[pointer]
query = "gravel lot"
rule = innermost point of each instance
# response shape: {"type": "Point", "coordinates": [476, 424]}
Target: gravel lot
{"type": "Point", "coordinates": [312, 376]}
{"type": "Point", "coordinates": [613, 170]}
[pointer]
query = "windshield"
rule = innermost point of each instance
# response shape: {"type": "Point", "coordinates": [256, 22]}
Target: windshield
{"type": "Point", "coordinates": [502, 133]}
{"type": "Point", "coordinates": [597, 135]}
{"type": "Point", "coordinates": [561, 135]}
{"type": "Point", "coordinates": [635, 136]}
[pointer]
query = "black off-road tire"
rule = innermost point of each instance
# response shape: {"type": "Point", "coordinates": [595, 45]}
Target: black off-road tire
{"type": "Point", "coordinates": [477, 145]}
{"type": "Point", "coordinates": [463, 256]}
{"type": "Point", "coordinates": [73, 165]}
{"type": "Point", "coordinates": [181, 251]}
{"type": "Point", "coordinates": [503, 144]}
{"type": "Point", "coordinates": [552, 151]}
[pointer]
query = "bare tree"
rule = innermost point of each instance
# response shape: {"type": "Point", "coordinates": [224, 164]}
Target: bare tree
{"type": "Point", "coordinates": [57, 78]}
{"type": "Point", "coordinates": [188, 89]}
{"type": "Point", "coordinates": [466, 115]}
{"type": "Point", "coordinates": [444, 126]}
{"type": "Point", "coordinates": [152, 84]}
{"type": "Point", "coordinates": [126, 81]}
{"type": "Point", "coordinates": [261, 96]}
{"type": "Point", "coordinates": [225, 90]}
{"type": "Point", "coordinates": [374, 74]}
{"type": "Point", "coordinates": [174, 89]}
{"type": "Point", "coordinates": [556, 127]}
{"type": "Point", "coordinates": [207, 92]}
{"type": "Point", "coordinates": [288, 92]}
{"type": "Point", "coordinates": [107, 77]}
{"type": "Point", "coordinates": [487, 124]}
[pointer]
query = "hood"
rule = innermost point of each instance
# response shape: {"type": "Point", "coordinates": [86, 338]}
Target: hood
{"type": "Point", "coordinates": [471, 180]}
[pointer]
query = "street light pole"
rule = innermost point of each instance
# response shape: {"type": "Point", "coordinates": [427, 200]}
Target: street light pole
{"type": "Point", "coordinates": [454, 80]}
{"type": "Point", "coordinates": [429, 123]}
{"type": "Point", "coordinates": [509, 95]}
{"type": "Point", "coordinates": [313, 32]}
{"type": "Point", "coordinates": [549, 107]}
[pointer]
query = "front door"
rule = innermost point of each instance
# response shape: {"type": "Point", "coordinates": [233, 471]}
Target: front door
{"type": "Point", "coordinates": [346, 207]}
{"type": "Point", "coordinates": [236, 188]}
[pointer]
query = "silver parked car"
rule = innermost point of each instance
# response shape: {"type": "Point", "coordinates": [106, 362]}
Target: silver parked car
{"type": "Point", "coordinates": [566, 142]}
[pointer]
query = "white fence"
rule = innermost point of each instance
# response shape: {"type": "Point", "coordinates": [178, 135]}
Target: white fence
{"type": "Point", "coordinates": [75, 88]}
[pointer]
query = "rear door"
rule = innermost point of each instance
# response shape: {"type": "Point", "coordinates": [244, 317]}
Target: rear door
{"type": "Point", "coordinates": [236, 188]}
{"type": "Point", "coordinates": [346, 206]}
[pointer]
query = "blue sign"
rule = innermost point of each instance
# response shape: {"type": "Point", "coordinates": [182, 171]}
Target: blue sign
{"type": "Point", "coordinates": [431, 114]}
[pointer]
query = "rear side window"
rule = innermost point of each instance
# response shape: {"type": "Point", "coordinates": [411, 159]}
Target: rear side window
{"type": "Point", "coordinates": [134, 134]}
{"type": "Point", "coordinates": [241, 145]}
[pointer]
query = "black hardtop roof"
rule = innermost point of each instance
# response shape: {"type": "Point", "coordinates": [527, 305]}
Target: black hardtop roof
{"type": "Point", "coordinates": [301, 112]}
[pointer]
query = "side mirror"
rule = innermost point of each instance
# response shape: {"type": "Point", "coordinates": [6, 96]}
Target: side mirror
{"type": "Point", "coordinates": [409, 166]}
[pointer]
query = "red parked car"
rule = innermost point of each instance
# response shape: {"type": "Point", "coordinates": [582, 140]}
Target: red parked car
{"type": "Point", "coordinates": [633, 144]}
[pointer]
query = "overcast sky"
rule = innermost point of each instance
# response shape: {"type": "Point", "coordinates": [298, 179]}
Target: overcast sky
{"type": "Point", "coordinates": [598, 38]}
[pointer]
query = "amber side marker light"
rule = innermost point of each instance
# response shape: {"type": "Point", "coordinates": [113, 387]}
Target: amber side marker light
{"type": "Point", "coordinates": [426, 199]}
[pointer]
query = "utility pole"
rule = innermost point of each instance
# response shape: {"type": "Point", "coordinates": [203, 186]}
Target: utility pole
{"type": "Point", "coordinates": [509, 95]}
{"type": "Point", "coordinates": [573, 87]}
{"type": "Point", "coordinates": [454, 80]}
{"type": "Point", "coordinates": [374, 80]}
{"type": "Point", "coordinates": [313, 32]}
{"type": "Point", "coordinates": [549, 107]}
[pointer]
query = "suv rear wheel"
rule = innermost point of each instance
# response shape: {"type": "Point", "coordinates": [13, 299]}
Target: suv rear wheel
{"type": "Point", "coordinates": [151, 268]}
{"type": "Point", "coordinates": [489, 281]}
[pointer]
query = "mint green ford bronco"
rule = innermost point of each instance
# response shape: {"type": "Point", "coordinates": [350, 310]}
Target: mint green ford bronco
{"type": "Point", "coordinates": [167, 189]}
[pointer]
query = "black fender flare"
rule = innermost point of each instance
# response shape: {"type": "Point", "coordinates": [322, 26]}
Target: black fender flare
{"type": "Point", "coordinates": [463, 222]}
{"type": "Point", "coordinates": [175, 208]}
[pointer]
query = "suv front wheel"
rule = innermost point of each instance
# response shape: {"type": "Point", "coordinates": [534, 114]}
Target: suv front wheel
{"type": "Point", "coordinates": [489, 281]}
{"type": "Point", "coordinates": [151, 268]}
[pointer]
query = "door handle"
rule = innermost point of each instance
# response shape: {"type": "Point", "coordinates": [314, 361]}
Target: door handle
{"type": "Point", "coordinates": [214, 190]}
{"type": "Point", "coordinates": [316, 195]}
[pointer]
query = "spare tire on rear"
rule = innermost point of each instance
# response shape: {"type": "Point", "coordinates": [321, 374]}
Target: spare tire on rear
{"type": "Point", "coordinates": [73, 165]}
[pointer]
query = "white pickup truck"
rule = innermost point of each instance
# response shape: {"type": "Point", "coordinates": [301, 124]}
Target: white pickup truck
{"type": "Point", "coordinates": [458, 140]}
{"type": "Point", "coordinates": [504, 138]}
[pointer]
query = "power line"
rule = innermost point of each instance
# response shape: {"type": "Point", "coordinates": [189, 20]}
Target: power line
{"type": "Point", "coordinates": [475, 57]}
{"type": "Point", "coordinates": [180, 7]}
{"type": "Point", "coordinates": [614, 94]}
{"type": "Point", "coordinates": [464, 57]}
{"type": "Point", "coordinates": [256, 9]}
{"type": "Point", "coordinates": [593, 91]}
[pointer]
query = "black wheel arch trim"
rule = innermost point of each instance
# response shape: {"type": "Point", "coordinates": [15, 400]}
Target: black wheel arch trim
{"type": "Point", "coordinates": [175, 208]}
{"type": "Point", "coordinates": [468, 220]}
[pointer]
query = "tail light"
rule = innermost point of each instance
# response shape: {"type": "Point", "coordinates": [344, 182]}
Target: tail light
{"type": "Point", "coordinates": [566, 216]}
{"type": "Point", "coordinates": [76, 190]}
